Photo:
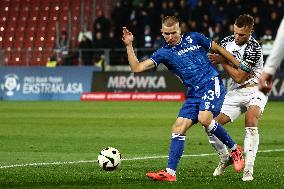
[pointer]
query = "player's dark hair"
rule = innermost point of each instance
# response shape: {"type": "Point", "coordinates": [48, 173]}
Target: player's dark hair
{"type": "Point", "coordinates": [169, 21]}
{"type": "Point", "coordinates": [244, 20]}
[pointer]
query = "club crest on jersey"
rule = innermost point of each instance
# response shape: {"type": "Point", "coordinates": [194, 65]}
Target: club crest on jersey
{"type": "Point", "coordinates": [189, 40]}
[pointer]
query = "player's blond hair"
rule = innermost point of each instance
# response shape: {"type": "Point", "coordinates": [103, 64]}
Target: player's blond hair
{"type": "Point", "coordinates": [169, 21]}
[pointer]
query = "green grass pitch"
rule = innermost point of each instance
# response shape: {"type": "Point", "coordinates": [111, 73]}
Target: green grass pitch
{"type": "Point", "coordinates": [55, 145]}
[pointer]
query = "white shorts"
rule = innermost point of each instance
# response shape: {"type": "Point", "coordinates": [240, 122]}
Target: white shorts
{"type": "Point", "coordinates": [237, 101]}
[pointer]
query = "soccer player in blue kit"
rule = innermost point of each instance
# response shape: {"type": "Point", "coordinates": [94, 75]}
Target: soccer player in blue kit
{"type": "Point", "coordinates": [186, 56]}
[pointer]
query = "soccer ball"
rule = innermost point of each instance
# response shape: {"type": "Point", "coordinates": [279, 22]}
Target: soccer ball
{"type": "Point", "coordinates": [109, 159]}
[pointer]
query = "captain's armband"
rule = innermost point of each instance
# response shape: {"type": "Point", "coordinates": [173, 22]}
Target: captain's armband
{"type": "Point", "coordinates": [245, 65]}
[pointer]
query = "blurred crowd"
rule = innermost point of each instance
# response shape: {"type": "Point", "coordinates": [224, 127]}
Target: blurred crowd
{"type": "Point", "coordinates": [213, 18]}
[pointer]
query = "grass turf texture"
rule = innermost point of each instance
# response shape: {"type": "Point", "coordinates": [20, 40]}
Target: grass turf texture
{"type": "Point", "coordinates": [44, 132]}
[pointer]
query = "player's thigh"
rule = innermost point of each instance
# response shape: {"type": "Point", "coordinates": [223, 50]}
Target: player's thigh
{"type": "Point", "coordinates": [188, 115]}
{"type": "Point", "coordinates": [257, 98]}
{"type": "Point", "coordinates": [255, 107]}
{"type": "Point", "coordinates": [189, 109]}
{"type": "Point", "coordinates": [231, 108]}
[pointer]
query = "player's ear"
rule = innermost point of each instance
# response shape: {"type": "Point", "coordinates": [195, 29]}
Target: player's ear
{"type": "Point", "coordinates": [162, 31]}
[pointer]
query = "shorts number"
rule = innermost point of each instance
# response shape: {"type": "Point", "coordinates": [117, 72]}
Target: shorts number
{"type": "Point", "coordinates": [209, 95]}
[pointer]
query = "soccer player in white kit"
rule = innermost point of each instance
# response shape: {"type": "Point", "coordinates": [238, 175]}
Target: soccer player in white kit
{"type": "Point", "coordinates": [273, 61]}
{"type": "Point", "coordinates": [243, 94]}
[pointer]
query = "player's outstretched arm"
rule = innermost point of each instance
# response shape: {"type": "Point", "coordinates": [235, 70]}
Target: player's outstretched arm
{"type": "Point", "coordinates": [237, 74]}
{"type": "Point", "coordinates": [134, 63]}
{"type": "Point", "coordinates": [217, 48]}
{"type": "Point", "coordinates": [234, 71]}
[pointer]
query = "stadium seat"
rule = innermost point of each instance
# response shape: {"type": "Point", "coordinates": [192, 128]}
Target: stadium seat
{"type": "Point", "coordinates": [88, 17]}
{"type": "Point", "coordinates": [5, 3]}
{"type": "Point", "coordinates": [36, 58]}
{"type": "Point", "coordinates": [40, 37]}
{"type": "Point", "coordinates": [2, 33]}
{"type": "Point", "coordinates": [55, 3]}
{"type": "Point", "coordinates": [34, 10]}
{"type": "Point", "coordinates": [44, 4]}
{"type": "Point", "coordinates": [50, 40]}
{"type": "Point", "coordinates": [15, 58]}
{"type": "Point", "coordinates": [26, 2]}
{"type": "Point", "coordinates": [9, 42]}
{"type": "Point", "coordinates": [4, 12]}
{"type": "Point", "coordinates": [29, 39]}
{"type": "Point", "coordinates": [19, 40]}
{"type": "Point", "coordinates": [53, 15]}
{"type": "Point", "coordinates": [34, 3]}
{"type": "Point", "coordinates": [22, 22]}
{"type": "Point", "coordinates": [24, 11]}
{"type": "Point", "coordinates": [46, 55]}
{"type": "Point", "coordinates": [25, 57]}
{"type": "Point", "coordinates": [14, 9]}
{"type": "Point", "coordinates": [31, 24]}
{"type": "Point", "coordinates": [7, 55]}
{"type": "Point", "coordinates": [1, 42]}
{"type": "Point", "coordinates": [11, 24]}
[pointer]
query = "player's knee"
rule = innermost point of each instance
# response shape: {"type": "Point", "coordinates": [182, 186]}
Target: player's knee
{"type": "Point", "coordinates": [204, 121]}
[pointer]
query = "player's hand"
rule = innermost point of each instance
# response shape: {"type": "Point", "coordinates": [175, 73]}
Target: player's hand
{"type": "Point", "coordinates": [265, 82]}
{"type": "Point", "coordinates": [127, 36]}
{"type": "Point", "coordinates": [216, 58]}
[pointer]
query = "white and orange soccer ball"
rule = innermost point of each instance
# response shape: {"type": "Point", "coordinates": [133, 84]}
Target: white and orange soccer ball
{"type": "Point", "coordinates": [109, 159]}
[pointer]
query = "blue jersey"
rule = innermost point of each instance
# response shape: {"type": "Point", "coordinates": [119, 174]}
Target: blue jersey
{"type": "Point", "coordinates": [188, 60]}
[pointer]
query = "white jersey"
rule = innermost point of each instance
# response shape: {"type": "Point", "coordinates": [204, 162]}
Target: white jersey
{"type": "Point", "coordinates": [277, 54]}
{"type": "Point", "coordinates": [250, 51]}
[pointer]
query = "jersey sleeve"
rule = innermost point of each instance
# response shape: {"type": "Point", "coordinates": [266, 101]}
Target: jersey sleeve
{"type": "Point", "coordinates": [157, 57]}
{"type": "Point", "coordinates": [202, 40]}
{"type": "Point", "coordinates": [252, 55]}
{"type": "Point", "coordinates": [276, 56]}
{"type": "Point", "coordinates": [227, 40]}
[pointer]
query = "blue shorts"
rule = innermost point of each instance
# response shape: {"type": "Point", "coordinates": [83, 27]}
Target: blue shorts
{"type": "Point", "coordinates": [209, 97]}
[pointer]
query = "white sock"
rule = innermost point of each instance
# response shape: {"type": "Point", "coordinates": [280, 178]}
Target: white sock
{"type": "Point", "coordinates": [171, 171]}
{"type": "Point", "coordinates": [219, 147]}
{"type": "Point", "coordinates": [250, 147]}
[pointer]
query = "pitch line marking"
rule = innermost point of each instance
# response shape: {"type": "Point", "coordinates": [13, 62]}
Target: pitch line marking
{"type": "Point", "coordinates": [126, 159]}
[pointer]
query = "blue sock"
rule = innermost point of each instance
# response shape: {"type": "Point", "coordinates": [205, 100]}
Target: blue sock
{"type": "Point", "coordinates": [217, 129]}
{"type": "Point", "coordinates": [176, 150]}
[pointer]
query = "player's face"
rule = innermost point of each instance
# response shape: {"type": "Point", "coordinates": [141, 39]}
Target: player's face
{"type": "Point", "coordinates": [242, 35]}
{"type": "Point", "coordinates": [171, 34]}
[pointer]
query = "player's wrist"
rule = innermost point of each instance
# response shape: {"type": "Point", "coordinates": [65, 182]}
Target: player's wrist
{"type": "Point", "coordinates": [129, 45]}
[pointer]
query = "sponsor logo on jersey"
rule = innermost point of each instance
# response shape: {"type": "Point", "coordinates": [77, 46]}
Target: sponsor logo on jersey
{"type": "Point", "coordinates": [188, 49]}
